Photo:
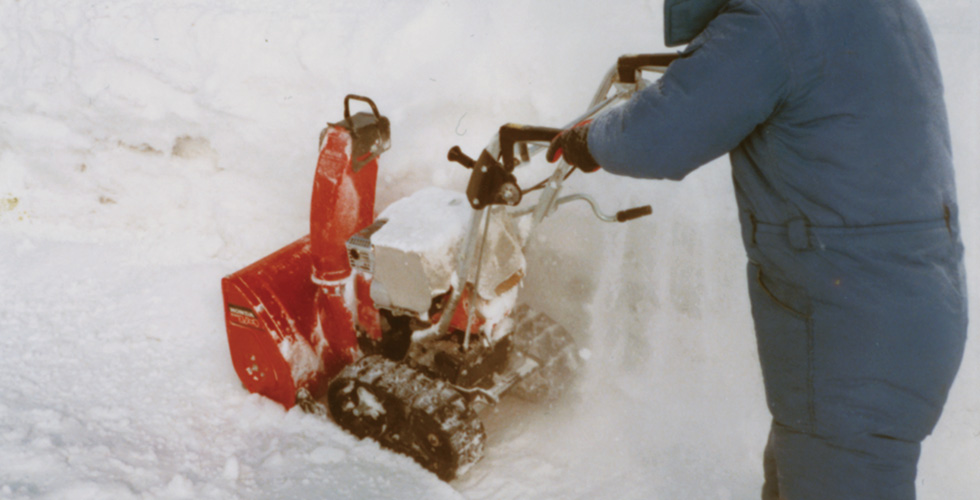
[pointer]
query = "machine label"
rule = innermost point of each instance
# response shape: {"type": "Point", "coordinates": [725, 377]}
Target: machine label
{"type": "Point", "coordinates": [244, 316]}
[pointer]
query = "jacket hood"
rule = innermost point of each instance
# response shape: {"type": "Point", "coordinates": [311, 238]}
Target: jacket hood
{"type": "Point", "coordinates": [686, 19]}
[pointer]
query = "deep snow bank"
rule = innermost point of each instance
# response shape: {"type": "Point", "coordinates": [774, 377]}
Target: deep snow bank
{"type": "Point", "coordinates": [148, 148]}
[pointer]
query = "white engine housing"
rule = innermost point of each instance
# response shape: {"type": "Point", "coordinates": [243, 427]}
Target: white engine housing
{"type": "Point", "coordinates": [412, 252]}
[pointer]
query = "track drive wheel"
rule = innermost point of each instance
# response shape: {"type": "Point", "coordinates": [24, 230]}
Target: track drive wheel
{"type": "Point", "coordinates": [408, 412]}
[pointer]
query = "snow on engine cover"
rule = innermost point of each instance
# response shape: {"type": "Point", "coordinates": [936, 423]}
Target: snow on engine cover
{"type": "Point", "coordinates": [414, 252]}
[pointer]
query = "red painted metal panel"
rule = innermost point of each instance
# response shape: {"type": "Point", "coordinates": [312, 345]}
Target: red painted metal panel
{"type": "Point", "coordinates": [290, 316]}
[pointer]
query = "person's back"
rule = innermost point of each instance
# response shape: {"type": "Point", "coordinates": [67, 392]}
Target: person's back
{"type": "Point", "coordinates": [860, 135]}
{"type": "Point", "coordinates": [833, 116]}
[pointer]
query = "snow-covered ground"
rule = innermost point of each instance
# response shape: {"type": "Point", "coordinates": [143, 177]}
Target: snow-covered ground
{"type": "Point", "coordinates": [148, 148]}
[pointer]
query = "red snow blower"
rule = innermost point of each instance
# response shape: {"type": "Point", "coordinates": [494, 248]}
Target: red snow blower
{"type": "Point", "coordinates": [406, 326]}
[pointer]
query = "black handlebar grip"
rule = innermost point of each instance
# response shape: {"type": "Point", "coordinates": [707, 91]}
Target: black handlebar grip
{"type": "Point", "coordinates": [633, 213]}
{"type": "Point", "coordinates": [512, 133]}
{"type": "Point", "coordinates": [627, 66]}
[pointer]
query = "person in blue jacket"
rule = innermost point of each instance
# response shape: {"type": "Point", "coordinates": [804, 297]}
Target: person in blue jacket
{"type": "Point", "coordinates": [832, 113]}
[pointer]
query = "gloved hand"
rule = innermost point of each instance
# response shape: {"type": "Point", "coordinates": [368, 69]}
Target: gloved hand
{"type": "Point", "coordinates": [573, 144]}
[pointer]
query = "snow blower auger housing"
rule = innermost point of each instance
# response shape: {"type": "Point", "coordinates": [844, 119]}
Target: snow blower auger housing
{"type": "Point", "coordinates": [406, 326]}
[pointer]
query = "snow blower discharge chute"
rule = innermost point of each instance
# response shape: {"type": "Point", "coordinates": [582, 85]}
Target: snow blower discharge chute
{"type": "Point", "coordinates": [405, 327]}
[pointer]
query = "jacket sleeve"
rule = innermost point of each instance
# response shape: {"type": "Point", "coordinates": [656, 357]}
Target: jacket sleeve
{"type": "Point", "coordinates": [729, 80]}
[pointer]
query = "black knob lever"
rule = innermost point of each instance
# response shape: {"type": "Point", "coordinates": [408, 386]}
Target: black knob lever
{"type": "Point", "coordinates": [457, 155]}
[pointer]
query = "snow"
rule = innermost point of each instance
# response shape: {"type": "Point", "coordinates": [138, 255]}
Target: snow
{"type": "Point", "coordinates": [435, 236]}
{"type": "Point", "coordinates": [149, 148]}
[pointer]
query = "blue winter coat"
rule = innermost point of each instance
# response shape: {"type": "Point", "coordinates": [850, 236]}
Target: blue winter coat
{"type": "Point", "coordinates": [833, 114]}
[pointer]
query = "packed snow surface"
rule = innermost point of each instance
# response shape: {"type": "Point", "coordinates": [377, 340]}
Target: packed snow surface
{"type": "Point", "coordinates": [149, 148]}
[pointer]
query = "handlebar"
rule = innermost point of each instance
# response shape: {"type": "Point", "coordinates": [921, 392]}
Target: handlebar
{"type": "Point", "coordinates": [628, 66]}
{"type": "Point", "coordinates": [492, 182]}
{"type": "Point", "coordinates": [512, 134]}
{"type": "Point", "coordinates": [621, 216]}
{"type": "Point", "coordinates": [633, 213]}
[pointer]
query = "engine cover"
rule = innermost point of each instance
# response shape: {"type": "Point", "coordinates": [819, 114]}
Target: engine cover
{"type": "Point", "coordinates": [412, 251]}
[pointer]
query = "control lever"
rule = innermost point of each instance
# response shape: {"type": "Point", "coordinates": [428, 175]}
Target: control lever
{"type": "Point", "coordinates": [457, 155]}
